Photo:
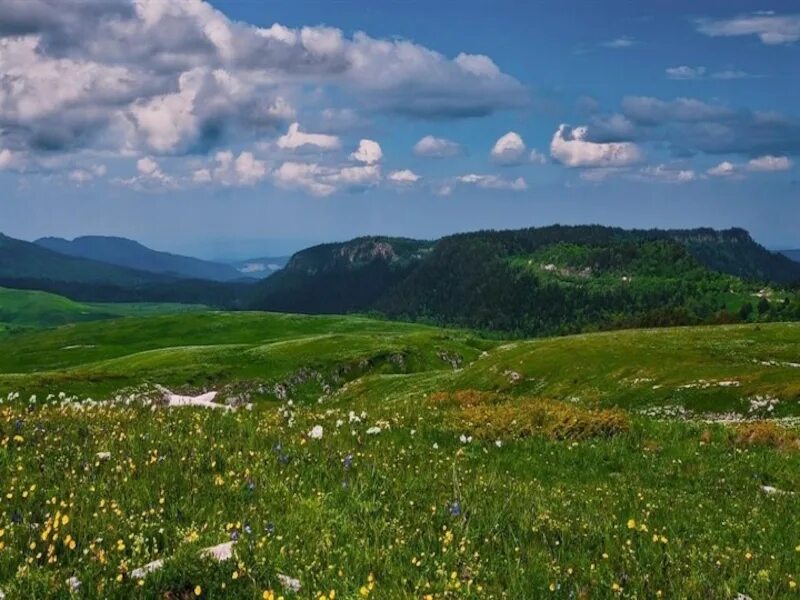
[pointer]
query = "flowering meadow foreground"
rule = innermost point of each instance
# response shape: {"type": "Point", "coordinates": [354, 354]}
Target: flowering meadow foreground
{"type": "Point", "coordinates": [355, 458]}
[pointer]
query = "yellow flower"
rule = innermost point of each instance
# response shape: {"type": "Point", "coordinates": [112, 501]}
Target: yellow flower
{"type": "Point", "coordinates": [65, 520]}
{"type": "Point", "coordinates": [363, 591]}
{"type": "Point", "coordinates": [631, 524]}
{"type": "Point", "coordinates": [268, 595]}
{"type": "Point", "coordinates": [198, 591]}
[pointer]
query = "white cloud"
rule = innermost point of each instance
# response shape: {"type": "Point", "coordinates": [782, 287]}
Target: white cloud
{"type": "Point", "coordinates": [368, 152]}
{"type": "Point", "coordinates": [149, 177]}
{"type": "Point", "coordinates": [305, 176]}
{"type": "Point", "coordinates": [403, 177]}
{"type": "Point", "coordinates": [509, 149]}
{"type": "Point", "coordinates": [723, 169]}
{"type": "Point", "coordinates": [174, 76]}
{"type": "Point", "coordinates": [570, 148]}
{"type": "Point", "coordinates": [12, 161]}
{"type": "Point", "coordinates": [537, 158]}
{"type": "Point", "coordinates": [296, 140]}
{"type": "Point", "coordinates": [685, 72]}
{"type": "Point", "coordinates": [770, 28]}
{"type": "Point", "coordinates": [322, 181]}
{"type": "Point", "coordinates": [769, 163]}
{"type": "Point", "coordinates": [85, 175]}
{"type": "Point", "coordinates": [493, 182]}
{"type": "Point", "coordinates": [436, 147]}
{"type": "Point", "coordinates": [232, 170]}
{"type": "Point", "coordinates": [666, 174]}
{"type": "Point", "coordinates": [620, 42]}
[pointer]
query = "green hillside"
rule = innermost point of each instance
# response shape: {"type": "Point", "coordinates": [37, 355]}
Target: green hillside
{"type": "Point", "coordinates": [552, 280]}
{"type": "Point", "coordinates": [392, 460]}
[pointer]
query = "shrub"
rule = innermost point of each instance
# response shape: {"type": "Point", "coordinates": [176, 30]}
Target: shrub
{"type": "Point", "coordinates": [489, 415]}
{"type": "Point", "coordinates": [766, 433]}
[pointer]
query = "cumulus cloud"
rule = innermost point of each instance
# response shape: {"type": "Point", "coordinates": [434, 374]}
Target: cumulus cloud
{"type": "Point", "coordinates": [82, 175]}
{"type": "Point", "coordinates": [305, 176]}
{"type": "Point", "coordinates": [369, 152]}
{"type": "Point", "coordinates": [769, 163]}
{"type": "Point", "coordinates": [296, 140]}
{"type": "Point", "coordinates": [723, 169]}
{"type": "Point", "coordinates": [230, 170]}
{"type": "Point", "coordinates": [149, 176]}
{"type": "Point", "coordinates": [320, 180]}
{"type": "Point", "coordinates": [509, 150]}
{"type": "Point", "coordinates": [403, 177]}
{"type": "Point", "coordinates": [12, 161]}
{"type": "Point", "coordinates": [771, 29]}
{"type": "Point", "coordinates": [571, 148]}
{"type": "Point", "coordinates": [493, 182]}
{"type": "Point", "coordinates": [436, 147]}
{"type": "Point", "coordinates": [176, 76]}
{"type": "Point", "coordinates": [537, 158]}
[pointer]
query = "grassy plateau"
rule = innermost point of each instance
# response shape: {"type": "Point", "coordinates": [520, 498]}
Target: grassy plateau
{"type": "Point", "coordinates": [361, 458]}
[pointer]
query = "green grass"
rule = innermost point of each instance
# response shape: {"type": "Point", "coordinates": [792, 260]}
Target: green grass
{"type": "Point", "coordinates": [27, 309]}
{"type": "Point", "coordinates": [671, 507]}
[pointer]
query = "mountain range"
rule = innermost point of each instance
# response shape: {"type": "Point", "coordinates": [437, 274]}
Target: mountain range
{"type": "Point", "coordinates": [532, 281]}
{"type": "Point", "coordinates": [128, 253]}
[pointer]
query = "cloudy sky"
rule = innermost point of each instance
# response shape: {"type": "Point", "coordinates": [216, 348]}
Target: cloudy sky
{"type": "Point", "coordinates": [231, 127]}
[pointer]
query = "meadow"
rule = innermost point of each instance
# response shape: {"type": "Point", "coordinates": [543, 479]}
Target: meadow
{"type": "Point", "coordinates": [381, 459]}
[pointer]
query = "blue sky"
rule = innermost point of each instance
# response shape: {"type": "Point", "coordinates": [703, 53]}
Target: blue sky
{"type": "Point", "coordinates": [206, 128]}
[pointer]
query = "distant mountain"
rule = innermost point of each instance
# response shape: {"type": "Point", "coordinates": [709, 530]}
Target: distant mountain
{"type": "Point", "coordinates": [340, 277]}
{"type": "Point", "coordinates": [128, 253]}
{"type": "Point", "coordinates": [792, 254]}
{"type": "Point", "coordinates": [25, 265]}
{"type": "Point", "coordinates": [535, 281]}
{"type": "Point", "coordinates": [260, 268]}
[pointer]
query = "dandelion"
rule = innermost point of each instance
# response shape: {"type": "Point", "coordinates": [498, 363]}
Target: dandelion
{"type": "Point", "coordinates": [631, 524]}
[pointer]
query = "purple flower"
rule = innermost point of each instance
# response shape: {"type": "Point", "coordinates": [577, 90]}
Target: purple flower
{"type": "Point", "coordinates": [455, 509]}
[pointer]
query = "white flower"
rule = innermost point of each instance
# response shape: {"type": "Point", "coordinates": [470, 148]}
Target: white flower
{"type": "Point", "coordinates": [465, 439]}
{"type": "Point", "coordinates": [316, 432]}
{"type": "Point", "coordinates": [290, 583]}
{"type": "Point", "coordinates": [499, 443]}
{"type": "Point", "coordinates": [373, 431]}
{"type": "Point", "coordinates": [435, 446]}
{"type": "Point", "coordinates": [103, 455]}
{"type": "Point", "coordinates": [74, 584]}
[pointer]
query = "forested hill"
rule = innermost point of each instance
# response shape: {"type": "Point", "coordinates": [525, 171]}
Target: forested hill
{"type": "Point", "coordinates": [548, 280]}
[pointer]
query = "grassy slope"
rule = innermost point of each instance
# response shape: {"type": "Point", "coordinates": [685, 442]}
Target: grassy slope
{"type": "Point", "coordinates": [538, 518]}
{"type": "Point", "coordinates": [26, 309]}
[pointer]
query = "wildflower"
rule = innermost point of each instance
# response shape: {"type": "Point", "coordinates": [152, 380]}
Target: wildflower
{"type": "Point", "coordinates": [348, 461]}
{"type": "Point", "coordinates": [316, 432]}
{"type": "Point", "coordinates": [198, 591]}
{"type": "Point", "coordinates": [631, 524]}
{"type": "Point", "coordinates": [373, 431]}
{"type": "Point", "coordinates": [290, 583]}
{"type": "Point", "coordinates": [455, 509]}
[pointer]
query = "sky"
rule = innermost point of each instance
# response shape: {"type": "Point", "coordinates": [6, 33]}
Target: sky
{"type": "Point", "coordinates": [234, 128]}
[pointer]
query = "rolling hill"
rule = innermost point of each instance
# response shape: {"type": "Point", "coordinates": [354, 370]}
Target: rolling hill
{"type": "Point", "coordinates": [416, 461]}
{"type": "Point", "coordinates": [128, 253]}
